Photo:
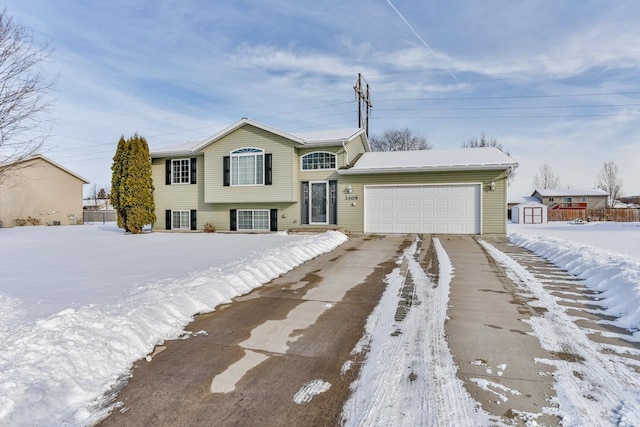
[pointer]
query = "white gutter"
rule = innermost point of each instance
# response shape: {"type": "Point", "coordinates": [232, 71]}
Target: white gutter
{"type": "Point", "coordinates": [359, 171]}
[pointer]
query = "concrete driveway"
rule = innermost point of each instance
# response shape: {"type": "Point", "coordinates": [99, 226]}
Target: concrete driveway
{"type": "Point", "coordinates": [274, 357]}
{"type": "Point", "coordinates": [281, 355]}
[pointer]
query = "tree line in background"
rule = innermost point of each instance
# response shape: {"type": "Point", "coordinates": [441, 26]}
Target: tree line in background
{"type": "Point", "coordinates": [132, 185]}
{"type": "Point", "coordinates": [608, 180]}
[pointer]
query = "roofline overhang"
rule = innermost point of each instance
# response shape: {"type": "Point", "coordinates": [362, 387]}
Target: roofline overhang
{"type": "Point", "coordinates": [240, 123]}
{"type": "Point", "coordinates": [48, 160]}
{"type": "Point", "coordinates": [355, 171]}
{"type": "Point", "coordinates": [168, 154]}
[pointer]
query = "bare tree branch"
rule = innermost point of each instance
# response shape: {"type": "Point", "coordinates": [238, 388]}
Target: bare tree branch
{"type": "Point", "coordinates": [399, 140]}
{"type": "Point", "coordinates": [545, 179]}
{"type": "Point", "coordinates": [490, 142]}
{"type": "Point", "coordinates": [24, 93]}
{"type": "Point", "coordinates": [609, 181]}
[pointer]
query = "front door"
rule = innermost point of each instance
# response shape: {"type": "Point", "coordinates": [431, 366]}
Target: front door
{"type": "Point", "coordinates": [318, 212]}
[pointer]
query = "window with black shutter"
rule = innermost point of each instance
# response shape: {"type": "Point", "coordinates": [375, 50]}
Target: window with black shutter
{"type": "Point", "coordinates": [268, 166]}
{"type": "Point", "coordinates": [233, 222]}
{"type": "Point", "coordinates": [194, 164]}
{"type": "Point", "coordinates": [194, 219]}
{"type": "Point", "coordinates": [226, 171]}
{"type": "Point", "coordinates": [273, 220]}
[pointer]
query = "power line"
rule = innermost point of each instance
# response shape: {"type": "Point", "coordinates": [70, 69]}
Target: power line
{"type": "Point", "coordinates": [510, 108]}
{"type": "Point", "coordinates": [466, 98]}
{"type": "Point", "coordinates": [511, 117]}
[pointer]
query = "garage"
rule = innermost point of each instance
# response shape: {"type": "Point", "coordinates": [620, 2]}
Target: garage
{"type": "Point", "coordinates": [442, 209]}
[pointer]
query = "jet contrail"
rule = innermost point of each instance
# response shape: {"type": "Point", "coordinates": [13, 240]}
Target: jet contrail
{"type": "Point", "coordinates": [419, 38]}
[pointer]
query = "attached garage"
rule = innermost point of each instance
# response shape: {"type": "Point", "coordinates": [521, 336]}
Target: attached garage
{"type": "Point", "coordinates": [429, 208]}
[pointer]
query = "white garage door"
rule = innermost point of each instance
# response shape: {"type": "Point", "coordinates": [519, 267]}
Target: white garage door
{"type": "Point", "coordinates": [446, 209]}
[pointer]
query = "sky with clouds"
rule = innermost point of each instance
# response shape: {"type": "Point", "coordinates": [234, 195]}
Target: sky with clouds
{"type": "Point", "coordinates": [555, 82]}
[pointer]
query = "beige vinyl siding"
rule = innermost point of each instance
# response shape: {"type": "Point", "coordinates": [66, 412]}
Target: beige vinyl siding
{"type": "Point", "coordinates": [288, 214]}
{"type": "Point", "coordinates": [178, 196]}
{"type": "Point", "coordinates": [355, 147]}
{"type": "Point", "coordinates": [494, 208]}
{"type": "Point", "coordinates": [338, 151]}
{"type": "Point", "coordinates": [43, 191]}
{"type": "Point", "coordinates": [282, 150]}
{"type": "Point", "coordinates": [319, 174]}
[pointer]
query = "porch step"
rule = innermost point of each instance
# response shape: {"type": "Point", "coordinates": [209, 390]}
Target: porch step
{"type": "Point", "coordinates": [313, 230]}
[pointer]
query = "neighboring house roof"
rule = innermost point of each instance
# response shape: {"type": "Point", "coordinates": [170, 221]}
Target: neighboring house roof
{"type": "Point", "coordinates": [104, 204]}
{"type": "Point", "coordinates": [570, 192]}
{"type": "Point", "coordinates": [534, 202]}
{"type": "Point", "coordinates": [318, 138]}
{"type": "Point", "coordinates": [431, 160]}
{"type": "Point", "coordinates": [621, 205]}
{"type": "Point", "coordinates": [48, 160]}
{"type": "Point", "coordinates": [516, 200]}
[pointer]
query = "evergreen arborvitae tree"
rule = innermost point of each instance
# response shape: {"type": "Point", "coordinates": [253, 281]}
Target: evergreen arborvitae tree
{"type": "Point", "coordinates": [132, 177]}
{"type": "Point", "coordinates": [116, 182]}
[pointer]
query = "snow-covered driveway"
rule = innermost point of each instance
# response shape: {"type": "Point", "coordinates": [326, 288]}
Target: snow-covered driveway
{"type": "Point", "coordinates": [578, 341]}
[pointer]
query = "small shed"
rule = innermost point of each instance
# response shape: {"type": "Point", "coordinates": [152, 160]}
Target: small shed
{"type": "Point", "coordinates": [531, 212]}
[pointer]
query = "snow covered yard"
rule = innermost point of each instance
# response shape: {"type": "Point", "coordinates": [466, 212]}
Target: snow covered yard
{"type": "Point", "coordinates": [78, 305]}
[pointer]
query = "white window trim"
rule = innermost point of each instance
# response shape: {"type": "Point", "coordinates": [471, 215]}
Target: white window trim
{"type": "Point", "coordinates": [180, 212]}
{"type": "Point", "coordinates": [253, 220]}
{"type": "Point", "coordinates": [335, 156]}
{"type": "Point", "coordinates": [188, 171]}
{"type": "Point", "coordinates": [233, 154]}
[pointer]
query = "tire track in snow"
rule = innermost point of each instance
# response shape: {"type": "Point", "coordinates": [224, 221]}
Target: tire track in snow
{"type": "Point", "coordinates": [409, 377]}
{"type": "Point", "coordinates": [592, 388]}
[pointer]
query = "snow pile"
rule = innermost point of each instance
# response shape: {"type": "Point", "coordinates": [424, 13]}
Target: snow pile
{"type": "Point", "coordinates": [409, 376]}
{"type": "Point", "coordinates": [616, 276]}
{"type": "Point", "coordinates": [55, 371]}
{"type": "Point", "coordinates": [594, 388]}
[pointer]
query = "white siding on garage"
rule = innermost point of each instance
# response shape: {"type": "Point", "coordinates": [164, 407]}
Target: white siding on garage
{"type": "Point", "coordinates": [445, 209]}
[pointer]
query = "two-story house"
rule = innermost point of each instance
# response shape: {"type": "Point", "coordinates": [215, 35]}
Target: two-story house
{"type": "Point", "coordinates": [572, 198]}
{"type": "Point", "coordinates": [252, 177]}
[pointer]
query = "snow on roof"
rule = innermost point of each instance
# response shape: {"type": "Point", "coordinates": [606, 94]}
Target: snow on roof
{"type": "Point", "coordinates": [409, 161]}
{"type": "Point", "coordinates": [331, 136]}
{"type": "Point", "coordinates": [520, 199]}
{"type": "Point", "coordinates": [559, 192]}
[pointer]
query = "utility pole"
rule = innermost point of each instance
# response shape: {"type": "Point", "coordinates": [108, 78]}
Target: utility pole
{"type": "Point", "coordinates": [364, 102]}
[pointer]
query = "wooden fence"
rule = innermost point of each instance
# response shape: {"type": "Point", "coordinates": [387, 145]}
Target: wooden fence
{"type": "Point", "coordinates": [99, 216]}
{"type": "Point", "coordinates": [618, 215]}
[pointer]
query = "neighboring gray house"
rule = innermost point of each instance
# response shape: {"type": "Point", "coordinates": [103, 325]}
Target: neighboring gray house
{"type": "Point", "coordinates": [572, 198]}
{"type": "Point", "coordinates": [252, 177]}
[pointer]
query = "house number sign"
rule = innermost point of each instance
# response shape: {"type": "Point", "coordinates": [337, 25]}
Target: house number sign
{"type": "Point", "coordinates": [351, 197]}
